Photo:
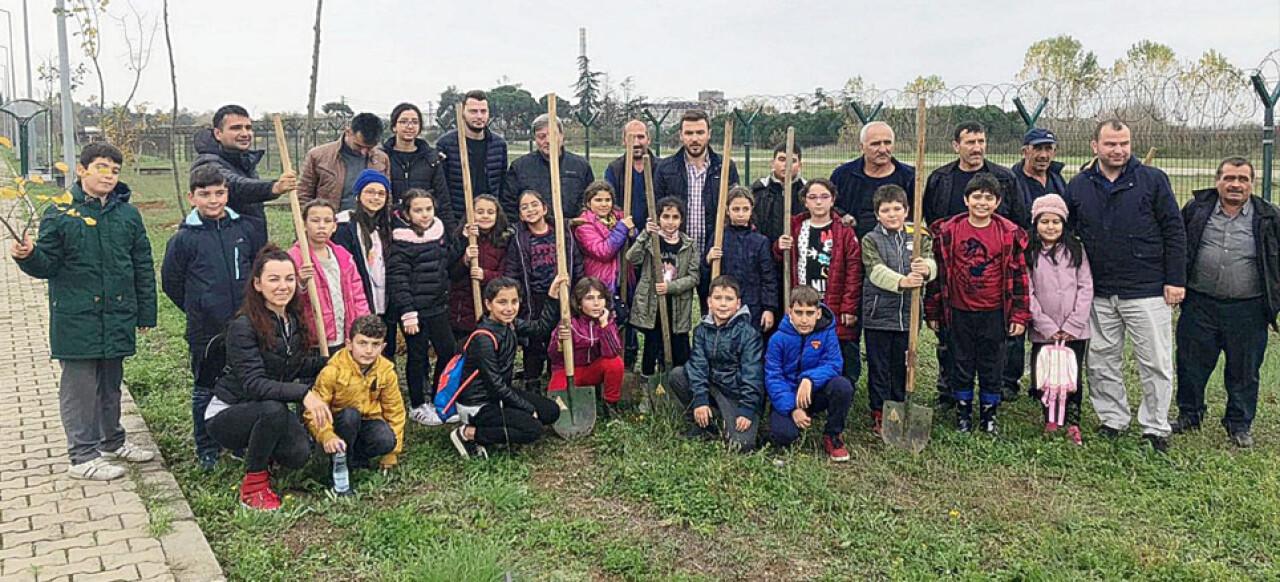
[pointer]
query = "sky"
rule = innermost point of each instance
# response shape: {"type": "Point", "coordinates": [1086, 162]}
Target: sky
{"type": "Point", "coordinates": [378, 53]}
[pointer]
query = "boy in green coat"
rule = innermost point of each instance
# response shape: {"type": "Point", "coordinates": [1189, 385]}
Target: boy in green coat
{"type": "Point", "coordinates": [102, 287]}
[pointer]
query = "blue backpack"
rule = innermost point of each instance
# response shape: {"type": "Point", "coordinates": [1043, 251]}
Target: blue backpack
{"type": "Point", "coordinates": [451, 382]}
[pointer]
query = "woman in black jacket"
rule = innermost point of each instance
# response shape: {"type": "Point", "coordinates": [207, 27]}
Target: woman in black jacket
{"type": "Point", "coordinates": [269, 365]}
{"type": "Point", "coordinates": [414, 163]}
{"type": "Point", "coordinates": [492, 411]}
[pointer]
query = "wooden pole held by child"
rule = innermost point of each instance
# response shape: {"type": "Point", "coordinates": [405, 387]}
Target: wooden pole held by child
{"type": "Point", "coordinates": [562, 266]}
{"type": "Point", "coordinates": [656, 249]}
{"type": "Point", "coordinates": [786, 215]}
{"type": "Point", "coordinates": [300, 230]}
{"type": "Point", "coordinates": [724, 195]}
{"type": "Point", "coordinates": [471, 207]}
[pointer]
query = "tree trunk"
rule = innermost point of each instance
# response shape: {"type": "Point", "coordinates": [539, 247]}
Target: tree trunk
{"type": "Point", "coordinates": [173, 116]}
{"type": "Point", "coordinates": [308, 136]}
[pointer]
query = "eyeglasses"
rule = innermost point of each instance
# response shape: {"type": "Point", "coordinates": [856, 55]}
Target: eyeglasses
{"type": "Point", "coordinates": [409, 122]}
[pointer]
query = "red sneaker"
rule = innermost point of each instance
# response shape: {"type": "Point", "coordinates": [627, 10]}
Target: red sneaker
{"type": "Point", "coordinates": [256, 493]}
{"type": "Point", "coordinates": [1051, 427]}
{"type": "Point", "coordinates": [878, 427]}
{"type": "Point", "coordinates": [1073, 435]}
{"type": "Point", "coordinates": [835, 448]}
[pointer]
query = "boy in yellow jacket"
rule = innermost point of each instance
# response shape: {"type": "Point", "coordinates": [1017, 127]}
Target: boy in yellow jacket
{"type": "Point", "coordinates": [363, 392]}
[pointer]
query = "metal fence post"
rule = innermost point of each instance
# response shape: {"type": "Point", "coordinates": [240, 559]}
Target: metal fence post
{"type": "Point", "coordinates": [657, 130]}
{"type": "Point", "coordinates": [587, 121]}
{"type": "Point", "coordinates": [1269, 98]}
{"type": "Point", "coordinates": [1030, 118]}
{"type": "Point", "coordinates": [862, 115]}
{"type": "Point", "coordinates": [747, 123]}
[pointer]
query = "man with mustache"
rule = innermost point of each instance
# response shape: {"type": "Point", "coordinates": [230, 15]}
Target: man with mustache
{"type": "Point", "coordinates": [1233, 293]}
{"type": "Point", "coordinates": [228, 146]}
{"type": "Point", "coordinates": [858, 180]}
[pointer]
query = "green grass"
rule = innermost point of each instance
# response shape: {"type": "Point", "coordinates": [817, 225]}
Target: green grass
{"type": "Point", "coordinates": [633, 502]}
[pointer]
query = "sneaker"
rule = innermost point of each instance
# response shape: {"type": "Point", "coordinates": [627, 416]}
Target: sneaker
{"type": "Point", "coordinates": [964, 417]}
{"type": "Point", "coordinates": [467, 449]}
{"type": "Point", "coordinates": [425, 414]}
{"type": "Point", "coordinates": [878, 425]}
{"type": "Point", "coordinates": [1184, 425]}
{"type": "Point", "coordinates": [237, 454]}
{"type": "Point", "coordinates": [1242, 439]}
{"type": "Point", "coordinates": [256, 493]}
{"type": "Point", "coordinates": [988, 420]}
{"type": "Point", "coordinates": [1106, 431]}
{"type": "Point", "coordinates": [835, 448]}
{"type": "Point", "coordinates": [99, 469]}
{"type": "Point", "coordinates": [129, 452]}
{"type": "Point", "coordinates": [453, 420]}
{"type": "Point", "coordinates": [1074, 436]}
{"type": "Point", "coordinates": [207, 460]}
{"type": "Point", "coordinates": [1051, 427]}
{"type": "Point", "coordinates": [1159, 443]}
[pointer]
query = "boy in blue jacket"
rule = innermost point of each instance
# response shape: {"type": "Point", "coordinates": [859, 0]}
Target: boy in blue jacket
{"type": "Point", "coordinates": [725, 365]}
{"type": "Point", "coordinates": [206, 266]}
{"type": "Point", "coordinates": [803, 374]}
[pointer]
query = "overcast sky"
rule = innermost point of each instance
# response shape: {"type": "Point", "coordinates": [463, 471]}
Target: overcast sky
{"type": "Point", "coordinates": [380, 52]}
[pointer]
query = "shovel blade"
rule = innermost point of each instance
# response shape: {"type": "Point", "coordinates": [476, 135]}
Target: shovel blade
{"type": "Point", "coordinates": [577, 411]}
{"type": "Point", "coordinates": [906, 425]}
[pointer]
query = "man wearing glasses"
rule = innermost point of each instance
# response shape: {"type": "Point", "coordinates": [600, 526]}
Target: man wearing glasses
{"type": "Point", "coordinates": [414, 163]}
{"type": "Point", "coordinates": [330, 170]}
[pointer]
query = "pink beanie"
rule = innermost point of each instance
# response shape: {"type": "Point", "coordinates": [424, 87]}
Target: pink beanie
{"type": "Point", "coordinates": [1049, 203]}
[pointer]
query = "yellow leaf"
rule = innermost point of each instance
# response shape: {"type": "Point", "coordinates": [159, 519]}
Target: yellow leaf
{"type": "Point", "coordinates": [42, 197]}
{"type": "Point", "coordinates": [61, 167]}
{"type": "Point", "coordinates": [64, 198]}
{"type": "Point", "coordinates": [37, 179]}
{"type": "Point", "coordinates": [89, 221]}
{"type": "Point", "coordinates": [9, 193]}
{"type": "Point", "coordinates": [4, 141]}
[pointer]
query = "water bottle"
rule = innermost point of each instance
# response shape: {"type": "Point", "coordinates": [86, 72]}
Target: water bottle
{"type": "Point", "coordinates": [341, 478]}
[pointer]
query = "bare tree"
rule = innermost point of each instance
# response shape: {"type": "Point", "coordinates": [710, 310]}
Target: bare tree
{"type": "Point", "coordinates": [173, 115]}
{"type": "Point", "coordinates": [315, 74]}
{"type": "Point", "coordinates": [87, 14]}
{"type": "Point", "coordinates": [139, 53]}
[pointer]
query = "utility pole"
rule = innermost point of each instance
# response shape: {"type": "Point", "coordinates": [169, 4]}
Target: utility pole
{"type": "Point", "coordinates": [64, 71]}
{"type": "Point", "coordinates": [26, 41]}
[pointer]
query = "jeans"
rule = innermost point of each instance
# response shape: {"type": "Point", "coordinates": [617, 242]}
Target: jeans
{"type": "Point", "coordinates": [1209, 327]}
{"type": "Point", "coordinates": [1015, 360]}
{"type": "Point", "coordinates": [724, 410]}
{"type": "Point", "coordinates": [200, 397]}
{"type": "Point", "coordinates": [835, 397]}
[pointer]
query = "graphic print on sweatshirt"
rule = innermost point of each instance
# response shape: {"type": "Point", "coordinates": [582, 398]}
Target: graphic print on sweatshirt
{"type": "Point", "coordinates": [542, 261]}
{"type": "Point", "coordinates": [669, 253]}
{"type": "Point", "coordinates": [979, 282]}
{"type": "Point", "coordinates": [816, 251]}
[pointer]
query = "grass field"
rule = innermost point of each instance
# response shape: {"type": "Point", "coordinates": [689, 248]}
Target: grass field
{"type": "Point", "coordinates": [633, 502]}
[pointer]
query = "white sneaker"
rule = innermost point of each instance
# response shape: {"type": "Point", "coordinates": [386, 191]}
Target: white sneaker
{"type": "Point", "coordinates": [129, 452]}
{"type": "Point", "coordinates": [425, 415]}
{"type": "Point", "coordinates": [98, 469]}
{"type": "Point", "coordinates": [453, 419]}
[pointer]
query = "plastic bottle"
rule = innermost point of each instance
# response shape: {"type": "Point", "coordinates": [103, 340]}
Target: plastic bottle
{"type": "Point", "coordinates": [341, 477]}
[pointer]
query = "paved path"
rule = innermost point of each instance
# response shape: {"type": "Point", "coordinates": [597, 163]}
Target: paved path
{"type": "Point", "coordinates": [52, 527]}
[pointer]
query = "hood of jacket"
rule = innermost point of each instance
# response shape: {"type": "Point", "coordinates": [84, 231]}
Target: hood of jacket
{"type": "Point", "coordinates": [196, 221]}
{"type": "Point", "coordinates": [205, 144]}
{"type": "Point", "coordinates": [741, 313]}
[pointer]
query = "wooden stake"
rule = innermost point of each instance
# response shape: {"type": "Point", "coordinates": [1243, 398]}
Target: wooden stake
{"type": "Point", "coordinates": [300, 231]}
{"type": "Point", "coordinates": [724, 195]}
{"type": "Point", "coordinates": [627, 186]}
{"type": "Point", "coordinates": [917, 235]}
{"type": "Point", "coordinates": [562, 266]}
{"type": "Point", "coordinates": [656, 249]}
{"type": "Point", "coordinates": [471, 207]}
{"type": "Point", "coordinates": [788, 177]}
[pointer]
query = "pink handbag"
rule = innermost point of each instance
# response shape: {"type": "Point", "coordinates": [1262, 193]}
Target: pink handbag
{"type": "Point", "coordinates": [1056, 375]}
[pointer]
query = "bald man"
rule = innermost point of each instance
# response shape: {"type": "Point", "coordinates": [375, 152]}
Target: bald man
{"type": "Point", "coordinates": [856, 181]}
{"type": "Point", "coordinates": [614, 174]}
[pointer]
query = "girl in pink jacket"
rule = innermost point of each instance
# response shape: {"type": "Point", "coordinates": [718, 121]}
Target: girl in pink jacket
{"type": "Point", "coordinates": [1061, 292]}
{"type": "Point", "coordinates": [597, 348]}
{"type": "Point", "coordinates": [338, 284]}
{"type": "Point", "coordinates": [601, 232]}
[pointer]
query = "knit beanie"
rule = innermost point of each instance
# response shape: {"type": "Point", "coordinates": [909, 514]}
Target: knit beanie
{"type": "Point", "coordinates": [1049, 203]}
{"type": "Point", "coordinates": [367, 177]}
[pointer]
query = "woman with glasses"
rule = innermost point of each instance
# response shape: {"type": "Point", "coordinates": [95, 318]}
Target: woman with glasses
{"type": "Point", "coordinates": [414, 163]}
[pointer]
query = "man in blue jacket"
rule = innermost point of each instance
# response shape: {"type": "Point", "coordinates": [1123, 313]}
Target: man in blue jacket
{"type": "Point", "coordinates": [858, 180]}
{"type": "Point", "coordinates": [1133, 232]}
{"type": "Point", "coordinates": [802, 371]}
{"type": "Point", "coordinates": [486, 155]}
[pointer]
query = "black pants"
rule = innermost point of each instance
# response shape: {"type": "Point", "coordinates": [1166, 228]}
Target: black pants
{"type": "Point", "coordinates": [266, 430]}
{"type": "Point", "coordinates": [1015, 359]}
{"type": "Point", "coordinates": [835, 397]}
{"type": "Point", "coordinates": [653, 350]}
{"type": "Point", "coordinates": [501, 425]}
{"type": "Point", "coordinates": [432, 331]}
{"type": "Point", "coordinates": [977, 340]}
{"type": "Point", "coordinates": [391, 320]}
{"type": "Point", "coordinates": [886, 367]}
{"type": "Point", "coordinates": [946, 365]}
{"type": "Point", "coordinates": [1074, 400]}
{"type": "Point", "coordinates": [366, 439]}
{"type": "Point", "coordinates": [1209, 327]}
{"type": "Point", "coordinates": [852, 354]}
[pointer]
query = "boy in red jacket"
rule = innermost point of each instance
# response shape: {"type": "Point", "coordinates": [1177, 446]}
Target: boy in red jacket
{"type": "Point", "coordinates": [981, 295]}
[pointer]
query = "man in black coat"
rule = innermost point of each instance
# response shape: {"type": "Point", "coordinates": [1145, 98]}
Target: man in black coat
{"type": "Point", "coordinates": [229, 146]}
{"type": "Point", "coordinates": [532, 171]}
{"type": "Point", "coordinates": [1233, 294]}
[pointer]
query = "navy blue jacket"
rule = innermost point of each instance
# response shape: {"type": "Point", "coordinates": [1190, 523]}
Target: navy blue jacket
{"type": "Point", "coordinates": [729, 357]}
{"type": "Point", "coordinates": [245, 191]}
{"type": "Point", "coordinates": [1055, 184]}
{"type": "Point", "coordinates": [206, 267]}
{"type": "Point", "coordinates": [748, 258]}
{"type": "Point", "coordinates": [495, 167]}
{"type": "Point", "coordinates": [854, 192]}
{"type": "Point", "coordinates": [348, 238]}
{"type": "Point", "coordinates": [1134, 235]}
{"type": "Point", "coordinates": [672, 179]}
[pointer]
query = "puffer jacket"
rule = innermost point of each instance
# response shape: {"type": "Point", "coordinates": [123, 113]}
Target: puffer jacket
{"type": "Point", "coordinates": [520, 267]}
{"type": "Point", "coordinates": [495, 360]}
{"type": "Point", "coordinates": [348, 237]}
{"type": "Point", "coordinates": [886, 260]}
{"type": "Point", "coordinates": [844, 278]}
{"type": "Point", "coordinates": [748, 258]}
{"type": "Point", "coordinates": [283, 372]}
{"type": "Point", "coordinates": [793, 356]}
{"type": "Point", "coordinates": [644, 308]}
{"type": "Point", "coordinates": [600, 246]}
{"type": "Point", "coordinates": [590, 342]}
{"type": "Point", "coordinates": [533, 172]}
{"type": "Point", "coordinates": [376, 394]}
{"type": "Point", "coordinates": [495, 167]}
{"type": "Point", "coordinates": [1013, 264]}
{"type": "Point", "coordinates": [1266, 237]}
{"type": "Point", "coordinates": [493, 261]}
{"type": "Point", "coordinates": [937, 194]}
{"type": "Point", "coordinates": [207, 264]}
{"type": "Point", "coordinates": [766, 215]}
{"type": "Point", "coordinates": [245, 191]}
{"type": "Point", "coordinates": [418, 272]}
{"type": "Point", "coordinates": [354, 302]}
{"type": "Point", "coordinates": [730, 358]}
{"type": "Point", "coordinates": [855, 195]}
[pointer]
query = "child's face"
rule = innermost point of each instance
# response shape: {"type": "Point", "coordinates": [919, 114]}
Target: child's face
{"type": "Point", "coordinates": [669, 221]}
{"type": "Point", "coordinates": [601, 203]}
{"type": "Point", "coordinates": [818, 201]}
{"type": "Point", "coordinates": [373, 197]}
{"type": "Point", "coordinates": [982, 204]}
{"type": "Point", "coordinates": [532, 210]}
{"type": "Point", "coordinates": [504, 306]}
{"type": "Point", "coordinates": [1049, 227]}
{"type": "Point", "coordinates": [276, 284]}
{"type": "Point", "coordinates": [804, 317]}
{"type": "Point", "coordinates": [422, 211]}
{"type": "Point", "coordinates": [740, 212]}
{"type": "Point", "coordinates": [100, 177]}
{"type": "Point", "coordinates": [320, 225]}
{"type": "Point", "coordinates": [593, 304]}
{"type": "Point", "coordinates": [486, 214]}
{"type": "Point", "coordinates": [365, 350]}
{"type": "Point", "coordinates": [780, 165]}
{"type": "Point", "coordinates": [892, 215]}
{"type": "Point", "coordinates": [724, 302]}
{"type": "Point", "coordinates": [210, 201]}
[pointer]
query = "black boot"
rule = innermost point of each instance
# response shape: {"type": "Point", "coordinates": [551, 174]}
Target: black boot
{"type": "Point", "coordinates": [964, 415]}
{"type": "Point", "coordinates": [989, 419]}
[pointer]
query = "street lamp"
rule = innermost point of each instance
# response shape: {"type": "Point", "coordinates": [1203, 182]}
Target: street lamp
{"type": "Point", "coordinates": [13, 84]}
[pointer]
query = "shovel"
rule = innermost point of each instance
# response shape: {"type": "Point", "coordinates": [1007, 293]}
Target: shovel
{"type": "Point", "coordinates": [907, 425]}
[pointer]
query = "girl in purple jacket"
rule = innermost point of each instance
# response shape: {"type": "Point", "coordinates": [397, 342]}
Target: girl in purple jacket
{"type": "Point", "coordinates": [597, 350]}
{"type": "Point", "coordinates": [1061, 290]}
{"type": "Point", "coordinates": [601, 232]}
